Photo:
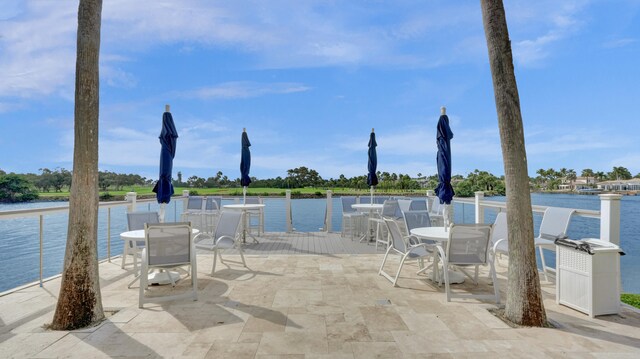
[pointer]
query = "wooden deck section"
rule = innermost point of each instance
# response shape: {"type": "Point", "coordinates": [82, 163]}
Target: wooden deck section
{"type": "Point", "coordinates": [318, 243]}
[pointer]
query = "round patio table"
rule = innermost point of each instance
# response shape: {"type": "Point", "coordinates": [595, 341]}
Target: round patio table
{"type": "Point", "coordinates": [439, 234]}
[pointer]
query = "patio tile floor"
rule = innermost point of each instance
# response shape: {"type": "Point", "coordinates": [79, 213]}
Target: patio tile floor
{"type": "Point", "coordinates": [306, 306]}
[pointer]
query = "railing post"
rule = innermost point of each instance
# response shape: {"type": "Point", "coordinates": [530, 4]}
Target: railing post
{"type": "Point", "coordinates": [109, 234]}
{"type": "Point", "coordinates": [329, 211]}
{"type": "Point", "coordinates": [610, 218]}
{"type": "Point", "coordinates": [185, 196]}
{"type": "Point", "coordinates": [479, 209]}
{"type": "Point", "coordinates": [131, 197]}
{"type": "Point", "coordinates": [41, 245]}
{"type": "Point", "coordinates": [287, 207]}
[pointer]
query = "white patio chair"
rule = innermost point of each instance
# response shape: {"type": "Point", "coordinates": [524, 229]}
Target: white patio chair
{"type": "Point", "coordinates": [257, 214]}
{"type": "Point", "coordinates": [500, 235]}
{"type": "Point", "coordinates": [379, 199]}
{"type": "Point", "coordinates": [226, 236]}
{"type": "Point", "coordinates": [351, 218]}
{"type": "Point", "coordinates": [211, 213]}
{"type": "Point", "coordinates": [418, 219]}
{"type": "Point", "coordinates": [168, 246]}
{"type": "Point", "coordinates": [136, 221]}
{"type": "Point", "coordinates": [404, 204]}
{"type": "Point", "coordinates": [389, 210]}
{"type": "Point", "coordinates": [194, 211]}
{"type": "Point", "coordinates": [399, 246]}
{"type": "Point", "coordinates": [555, 223]}
{"type": "Point", "coordinates": [436, 212]}
{"type": "Point", "coordinates": [468, 247]}
{"type": "Point", "coordinates": [418, 205]}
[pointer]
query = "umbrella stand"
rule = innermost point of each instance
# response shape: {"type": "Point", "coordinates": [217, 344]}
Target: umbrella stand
{"type": "Point", "coordinates": [245, 165]}
{"type": "Point", "coordinates": [372, 178]}
{"type": "Point", "coordinates": [168, 138]}
{"type": "Point", "coordinates": [444, 191]}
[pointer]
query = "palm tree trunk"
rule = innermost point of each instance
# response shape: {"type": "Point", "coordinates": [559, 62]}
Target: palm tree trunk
{"type": "Point", "coordinates": [524, 299]}
{"type": "Point", "coordinates": [80, 302]}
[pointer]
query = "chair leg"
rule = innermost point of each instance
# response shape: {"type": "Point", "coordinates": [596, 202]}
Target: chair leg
{"type": "Point", "coordinates": [475, 277]}
{"type": "Point", "coordinates": [125, 253]}
{"type": "Point", "coordinates": [242, 257]}
{"type": "Point", "coordinates": [544, 265]}
{"type": "Point", "coordinates": [494, 278]}
{"type": "Point", "coordinates": [215, 257]}
{"type": "Point", "coordinates": [395, 280]}
{"type": "Point", "coordinates": [384, 260]}
{"type": "Point", "coordinates": [343, 227]}
{"type": "Point", "coordinates": [194, 277]}
{"type": "Point", "coordinates": [143, 284]}
{"type": "Point", "coordinates": [134, 251]}
{"type": "Point", "coordinates": [261, 230]}
{"type": "Point", "coordinates": [447, 286]}
{"type": "Point", "coordinates": [173, 282]}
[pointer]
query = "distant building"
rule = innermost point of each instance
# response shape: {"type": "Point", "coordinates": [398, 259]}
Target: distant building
{"type": "Point", "coordinates": [578, 184]}
{"type": "Point", "coordinates": [620, 185]}
{"type": "Point", "coordinates": [422, 181]}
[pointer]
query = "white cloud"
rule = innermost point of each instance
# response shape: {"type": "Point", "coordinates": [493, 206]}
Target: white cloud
{"type": "Point", "coordinates": [240, 90]}
{"type": "Point", "coordinates": [538, 26]}
{"type": "Point", "coordinates": [617, 43]}
{"type": "Point", "coordinates": [117, 77]}
{"type": "Point", "coordinates": [6, 106]}
{"type": "Point", "coordinates": [630, 160]}
{"type": "Point", "coordinates": [568, 142]}
{"type": "Point", "coordinates": [38, 54]}
{"type": "Point", "coordinates": [38, 47]}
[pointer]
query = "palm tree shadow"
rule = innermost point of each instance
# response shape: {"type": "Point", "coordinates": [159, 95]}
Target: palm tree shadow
{"type": "Point", "coordinates": [213, 308]}
{"type": "Point", "coordinates": [591, 329]}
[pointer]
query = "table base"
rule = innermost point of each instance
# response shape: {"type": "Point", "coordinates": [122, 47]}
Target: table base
{"type": "Point", "coordinates": [454, 276]}
{"type": "Point", "coordinates": [162, 278]}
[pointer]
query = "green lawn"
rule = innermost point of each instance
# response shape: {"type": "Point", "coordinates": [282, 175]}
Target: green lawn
{"type": "Point", "coordinates": [631, 299]}
{"type": "Point", "coordinates": [320, 192]}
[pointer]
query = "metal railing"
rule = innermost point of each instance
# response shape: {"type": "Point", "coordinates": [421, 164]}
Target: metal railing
{"type": "Point", "coordinates": [609, 215]}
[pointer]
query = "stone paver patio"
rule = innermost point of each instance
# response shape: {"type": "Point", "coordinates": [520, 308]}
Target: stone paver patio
{"type": "Point", "coordinates": [306, 306]}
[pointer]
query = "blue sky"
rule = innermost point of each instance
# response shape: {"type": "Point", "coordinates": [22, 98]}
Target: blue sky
{"type": "Point", "coordinates": [309, 79]}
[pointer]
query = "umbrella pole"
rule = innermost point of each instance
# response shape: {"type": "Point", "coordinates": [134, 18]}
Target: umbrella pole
{"type": "Point", "coordinates": [161, 212]}
{"type": "Point", "coordinates": [371, 194]}
{"type": "Point", "coordinates": [244, 195]}
{"type": "Point", "coordinates": [446, 220]}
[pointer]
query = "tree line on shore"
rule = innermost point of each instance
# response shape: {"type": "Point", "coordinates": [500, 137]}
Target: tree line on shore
{"type": "Point", "coordinates": [25, 187]}
{"type": "Point", "coordinates": [550, 179]}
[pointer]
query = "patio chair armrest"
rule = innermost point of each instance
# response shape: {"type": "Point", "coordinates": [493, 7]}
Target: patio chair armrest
{"type": "Point", "coordinates": [413, 240]}
{"type": "Point", "coordinates": [201, 237]}
{"type": "Point", "coordinates": [496, 244]}
{"type": "Point", "coordinates": [441, 253]}
{"type": "Point", "coordinates": [222, 238]}
{"type": "Point", "coordinates": [427, 247]}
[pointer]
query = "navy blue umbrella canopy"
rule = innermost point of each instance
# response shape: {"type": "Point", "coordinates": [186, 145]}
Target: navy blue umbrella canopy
{"type": "Point", "coordinates": [168, 139]}
{"type": "Point", "coordinates": [245, 160]}
{"type": "Point", "coordinates": [372, 178]}
{"type": "Point", "coordinates": [444, 191]}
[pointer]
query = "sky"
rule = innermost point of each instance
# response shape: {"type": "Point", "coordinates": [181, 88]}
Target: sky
{"type": "Point", "coordinates": [310, 79]}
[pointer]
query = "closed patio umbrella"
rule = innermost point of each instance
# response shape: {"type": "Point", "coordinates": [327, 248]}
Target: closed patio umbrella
{"type": "Point", "coordinates": [444, 191]}
{"type": "Point", "coordinates": [168, 139]}
{"type": "Point", "coordinates": [372, 178]}
{"type": "Point", "coordinates": [245, 164]}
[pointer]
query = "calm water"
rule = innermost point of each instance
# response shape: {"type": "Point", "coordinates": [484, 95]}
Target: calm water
{"type": "Point", "coordinates": [19, 255]}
